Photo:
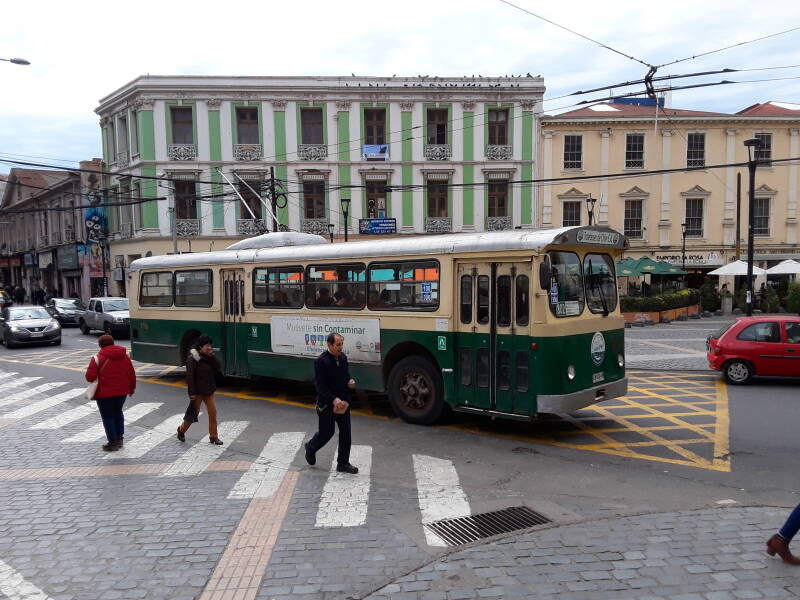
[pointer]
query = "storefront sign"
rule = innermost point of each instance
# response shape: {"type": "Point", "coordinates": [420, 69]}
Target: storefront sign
{"type": "Point", "coordinates": [377, 226]}
{"type": "Point", "coordinates": [45, 259]}
{"type": "Point", "coordinates": [28, 260]}
{"type": "Point", "coordinates": [712, 259]}
{"type": "Point", "coordinates": [91, 255]}
{"type": "Point", "coordinates": [306, 336]}
{"type": "Point", "coordinates": [67, 257]}
{"type": "Point", "coordinates": [15, 261]}
{"type": "Point", "coordinates": [3, 263]}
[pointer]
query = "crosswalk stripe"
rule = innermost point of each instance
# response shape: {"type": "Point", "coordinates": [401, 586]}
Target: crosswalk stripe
{"type": "Point", "coordinates": [96, 432]}
{"type": "Point", "coordinates": [344, 498]}
{"type": "Point", "coordinates": [266, 473]}
{"type": "Point", "coordinates": [198, 457]}
{"type": "Point", "coordinates": [84, 410]}
{"type": "Point", "coordinates": [16, 587]}
{"type": "Point", "coordinates": [36, 407]}
{"type": "Point", "coordinates": [15, 383]}
{"type": "Point", "coordinates": [39, 389]}
{"type": "Point", "coordinates": [440, 494]}
{"type": "Point", "coordinates": [142, 444]}
{"type": "Point", "coordinates": [6, 375]}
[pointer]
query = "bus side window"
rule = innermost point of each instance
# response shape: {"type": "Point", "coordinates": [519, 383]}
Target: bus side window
{"type": "Point", "coordinates": [466, 298]}
{"type": "Point", "coordinates": [522, 303]}
{"type": "Point", "coordinates": [504, 301]}
{"type": "Point", "coordinates": [483, 299]}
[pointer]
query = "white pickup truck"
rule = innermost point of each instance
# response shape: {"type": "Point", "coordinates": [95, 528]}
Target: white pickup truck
{"type": "Point", "coordinates": [109, 314]}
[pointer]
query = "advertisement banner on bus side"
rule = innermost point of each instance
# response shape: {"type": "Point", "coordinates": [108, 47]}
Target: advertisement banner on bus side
{"type": "Point", "coordinates": [306, 336]}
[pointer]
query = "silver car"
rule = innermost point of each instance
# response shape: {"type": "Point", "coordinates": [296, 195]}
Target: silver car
{"type": "Point", "coordinates": [28, 325]}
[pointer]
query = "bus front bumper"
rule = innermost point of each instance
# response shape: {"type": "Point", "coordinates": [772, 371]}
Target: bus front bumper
{"type": "Point", "coordinates": [566, 403]}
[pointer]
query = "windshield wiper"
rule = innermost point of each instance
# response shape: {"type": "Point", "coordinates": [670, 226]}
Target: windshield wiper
{"type": "Point", "coordinates": [599, 289]}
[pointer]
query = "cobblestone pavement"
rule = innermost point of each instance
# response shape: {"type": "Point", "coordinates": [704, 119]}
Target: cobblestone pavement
{"type": "Point", "coordinates": [710, 554]}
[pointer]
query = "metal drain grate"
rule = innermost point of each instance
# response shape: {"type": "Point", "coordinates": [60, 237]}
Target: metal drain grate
{"type": "Point", "coordinates": [462, 530]}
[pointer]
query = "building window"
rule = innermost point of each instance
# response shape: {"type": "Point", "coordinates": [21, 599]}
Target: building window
{"type": "Point", "coordinates": [765, 152]}
{"type": "Point", "coordinates": [251, 199]}
{"type": "Point", "coordinates": [311, 125]}
{"type": "Point", "coordinates": [374, 126]}
{"type": "Point", "coordinates": [571, 213]}
{"type": "Point", "coordinates": [136, 195]}
{"type": "Point", "coordinates": [314, 199]}
{"type": "Point", "coordinates": [134, 133]}
{"type": "Point", "coordinates": [247, 125]}
{"type": "Point", "coordinates": [498, 126]}
{"type": "Point", "coordinates": [376, 200]}
{"type": "Point", "coordinates": [573, 152]}
{"type": "Point", "coordinates": [634, 151]}
{"type": "Point", "coordinates": [761, 216]}
{"type": "Point", "coordinates": [694, 217]}
{"type": "Point", "coordinates": [122, 134]}
{"type": "Point", "coordinates": [437, 125]}
{"type": "Point", "coordinates": [112, 144]}
{"type": "Point", "coordinates": [633, 218]}
{"type": "Point", "coordinates": [696, 150]}
{"type": "Point", "coordinates": [185, 199]}
{"type": "Point", "coordinates": [182, 130]}
{"type": "Point", "coordinates": [437, 200]}
{"type": "Point", "coordinates": [498, 199]}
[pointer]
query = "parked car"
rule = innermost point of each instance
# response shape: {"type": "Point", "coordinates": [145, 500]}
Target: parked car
{"type": "Point", "coordinates": [108, 314]}
{"type": "Point", "coordinates": [28, 325]}
{"type": "Point", "coordinates": [65, 309]}
{"type": "Point", "coordinates": [753, 346]}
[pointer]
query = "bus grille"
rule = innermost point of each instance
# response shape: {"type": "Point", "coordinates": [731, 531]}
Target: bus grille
{"type": "Point", "coordinates": [463, 530]}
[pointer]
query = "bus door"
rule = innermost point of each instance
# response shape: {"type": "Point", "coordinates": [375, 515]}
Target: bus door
{"type": "Point", "coordinates": [234, 331]}
{"type": "Point", "coordinates": [492, 342]}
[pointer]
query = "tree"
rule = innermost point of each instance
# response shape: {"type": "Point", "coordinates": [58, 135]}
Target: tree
{"type": "Point", "coordinates": [793, 297]}
{"type": "Point", "coordinates": [708, 295]}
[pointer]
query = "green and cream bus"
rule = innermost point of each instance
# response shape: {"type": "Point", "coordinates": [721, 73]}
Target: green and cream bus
{"type": "Point", "coordinates": [505, 324]}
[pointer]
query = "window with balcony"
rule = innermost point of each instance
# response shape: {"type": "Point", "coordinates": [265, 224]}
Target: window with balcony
{"type": "Point", "coordinates": [376, 200]}
{"type": "Point", "coordinates": [182, 129]}
{"type": "Point", "coordinates": [249, 192]}
{"type": "Point", "coordinates": [761, 216]}
{"type": "Point", "coordinates": [765, 152]}
{"type": "Point", "coordinates": [311, 126]}
{"type": "Point", "coordinates": [573, 152]}
{"type": "Point", "coordinates": [374, 126]}
{"type": "Point", "coordinates": [437, 200]}
{"type": "Point", "coordinates": [633, 218]}
{"type": "Point", "coordinates": [437, 125]}
{"type": "Point", "coordinates": [314, 199]}
{"type": "Point", "coordinates": [247, 125]}
{"type": "Point", "coordinates": [498, 199]}
{"type": "Point", "coordinates": [634, 151]}
{"type": "Point", "coordinates": [122, 136]}
{"type": "Point", "coordinates": [498, 126]}
{"type": "Point", "coordinates": [696, 150]}
{"type": "Point", "coordinates": [571, 213]}
{"type": "Point", "coordinates": [185, 199]}
{"type": "Point", "coordinates": [694, 217]}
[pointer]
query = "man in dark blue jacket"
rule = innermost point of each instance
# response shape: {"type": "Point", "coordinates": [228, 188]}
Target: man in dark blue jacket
{"type": "Point", "coordinates": [333, 382]}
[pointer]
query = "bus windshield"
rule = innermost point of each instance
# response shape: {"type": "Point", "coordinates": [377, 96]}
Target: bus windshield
{"type": "Point", "coordinates": [601, 285]}
{"type": "Point", "coordinates": [566, 289]}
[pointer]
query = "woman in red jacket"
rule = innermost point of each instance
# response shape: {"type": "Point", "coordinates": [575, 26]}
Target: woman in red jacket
{"type": "Point", "coordinates": [117, 380]}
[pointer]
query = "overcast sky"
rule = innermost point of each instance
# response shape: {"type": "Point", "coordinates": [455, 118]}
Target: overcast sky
{"type": "Point", "coordinates": [81, 52]}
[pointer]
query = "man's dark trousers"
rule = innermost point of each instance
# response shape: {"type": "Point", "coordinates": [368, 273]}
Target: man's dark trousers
{"type": "Point", "coordinates": [327, 422]}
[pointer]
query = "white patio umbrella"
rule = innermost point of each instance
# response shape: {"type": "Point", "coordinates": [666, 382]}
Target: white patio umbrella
{"type": "Point", "coordinates": [737, 267]}
{"type": "Point", "coordinates": [786, 267]}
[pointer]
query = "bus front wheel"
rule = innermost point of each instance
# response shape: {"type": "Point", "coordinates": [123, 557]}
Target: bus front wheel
{"type": "Point", "coordinates": [415, 391]}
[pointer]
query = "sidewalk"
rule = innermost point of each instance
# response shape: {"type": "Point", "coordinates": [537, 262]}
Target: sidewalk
{"type": "Point", "coordinates": [706, 554]}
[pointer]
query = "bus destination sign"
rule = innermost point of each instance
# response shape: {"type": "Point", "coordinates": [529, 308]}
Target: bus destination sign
{"type": "Point", "coordinates": [606, 238]}
{"type": "Point", "coordinates": [377, 226]}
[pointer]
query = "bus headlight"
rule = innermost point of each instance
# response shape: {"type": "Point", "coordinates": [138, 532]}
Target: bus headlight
{"type": "Point", "coordinates": [620, 360]}
{"type": "Point", "coordinates": [570, 372]}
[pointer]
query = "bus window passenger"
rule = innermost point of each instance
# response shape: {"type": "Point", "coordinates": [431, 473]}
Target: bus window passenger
{"type": "Point", "coordinates": [324, 297]}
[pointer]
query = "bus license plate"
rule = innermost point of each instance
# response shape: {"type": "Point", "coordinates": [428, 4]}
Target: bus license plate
{"type": "Point", "coordinates": [37, 334]}
{"type": "Point", "coordinates": [597, 377]}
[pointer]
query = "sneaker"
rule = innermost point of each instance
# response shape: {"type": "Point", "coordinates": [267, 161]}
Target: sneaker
{"type": "Point", "coordinates": [347, 468]}
{"type": "Point", "coordinates": [216, 441]}
{"type": "Point", "coordinates": [181, 435]}
{"type": "Point", "coordinates": [311, 457]}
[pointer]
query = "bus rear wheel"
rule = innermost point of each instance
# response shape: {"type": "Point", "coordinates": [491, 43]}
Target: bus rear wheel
{"type": "Point", "coordinates": [415, 391]}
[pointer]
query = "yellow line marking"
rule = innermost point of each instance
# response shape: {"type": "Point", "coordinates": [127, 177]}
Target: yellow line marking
{"type": "Point", "coordinates": [722, 430]}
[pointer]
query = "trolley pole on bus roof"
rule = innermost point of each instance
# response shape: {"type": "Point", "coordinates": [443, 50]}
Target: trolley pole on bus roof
{"type": "Point", "coordinates": [273, 198]}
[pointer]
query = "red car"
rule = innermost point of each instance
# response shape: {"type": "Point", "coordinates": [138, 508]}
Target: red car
{"type": "Point", "coordinates": [765, 345]}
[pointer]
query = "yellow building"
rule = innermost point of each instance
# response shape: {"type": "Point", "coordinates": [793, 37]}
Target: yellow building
{"type": "Point", "coordinates": [623, 143]}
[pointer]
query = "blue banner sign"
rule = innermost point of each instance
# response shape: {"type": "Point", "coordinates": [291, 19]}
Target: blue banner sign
{"type": "Point", "coordinates": [377, 226]}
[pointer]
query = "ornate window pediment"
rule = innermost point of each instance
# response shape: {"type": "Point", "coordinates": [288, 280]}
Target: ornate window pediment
{"type": "Point", "coordinates": [765, 190]}
{"type": "Point", "coordinates": [634, 192]}
{"type": "Point", "coordinates": [572, 193]}
{"type": "Point", "coordinates": [696, 191]}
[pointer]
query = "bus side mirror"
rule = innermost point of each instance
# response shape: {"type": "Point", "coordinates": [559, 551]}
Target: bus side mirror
{"type": "Point", "coordinates": [545, 274]}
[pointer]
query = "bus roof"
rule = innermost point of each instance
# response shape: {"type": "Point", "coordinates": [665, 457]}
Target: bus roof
{"type": "Point", "coordinates": [430, 245]}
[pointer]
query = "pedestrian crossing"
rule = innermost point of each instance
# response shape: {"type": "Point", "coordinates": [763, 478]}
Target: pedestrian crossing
{"type": "Point", "coordinates": [343, 501]}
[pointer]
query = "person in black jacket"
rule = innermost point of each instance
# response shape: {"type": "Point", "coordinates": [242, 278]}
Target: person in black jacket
{"type": "Point", "coordinates": [202, 369]}
{"type": "Point", "coordinates": [333, 382]}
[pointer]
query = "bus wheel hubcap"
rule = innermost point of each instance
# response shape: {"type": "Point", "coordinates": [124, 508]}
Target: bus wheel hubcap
{"type": "Point", "coordinates": [415, 390]}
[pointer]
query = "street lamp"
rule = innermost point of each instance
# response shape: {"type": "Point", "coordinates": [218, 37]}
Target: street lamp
{"type": "Point", "coordinates": [345, 211]}
{"type": "Point", "coordinates": [590, 207]}
{"type": "Point", "coordinates": [752, 163]}
{"type": "Point", "coordinates": [16, 61]}
{"type": "Point", "coordinates": [330, 231]}
{"type": "Point", "coordinates": [683, 247]}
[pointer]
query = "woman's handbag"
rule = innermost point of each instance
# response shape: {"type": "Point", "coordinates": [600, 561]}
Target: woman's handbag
{"type": "Point", "coordinates": [91, 389]}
